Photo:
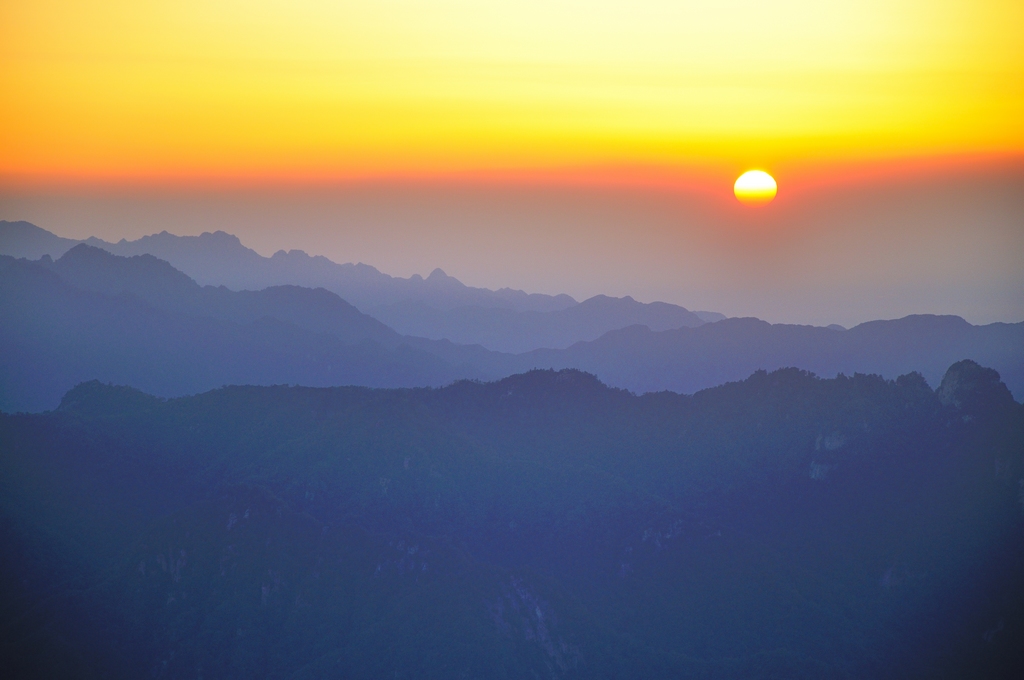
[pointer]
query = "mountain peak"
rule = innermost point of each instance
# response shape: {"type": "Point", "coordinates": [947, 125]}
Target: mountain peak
{"type": "Point", "coordinates": [221, 259]}
{"type": "Point", "coordinates": [24, 239]}
{"type": "Point", "coordinates": [219, 238]}
{"type": "Point", "coordinates": [936, 323]}
{"type": "Point", "coordinates": [973, 388]}
{"type": "Point", "coordinates": [95, 269]}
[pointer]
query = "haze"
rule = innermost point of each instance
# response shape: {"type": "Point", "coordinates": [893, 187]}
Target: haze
{"type": "Point", "coordinates": [871, 247]}
{"type": "Point", "coordinates": [758, 440]}
{"type": "Point", "coordinates": [552, 148]}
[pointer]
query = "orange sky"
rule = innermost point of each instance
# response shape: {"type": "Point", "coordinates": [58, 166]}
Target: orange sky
{"type": "Point", "coordinates": [227, 91]}
{"type": "Point", "coordinates": [555, 146]}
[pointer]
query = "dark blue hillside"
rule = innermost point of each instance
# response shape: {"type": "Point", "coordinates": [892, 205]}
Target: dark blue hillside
{"type": "Point", "coordinates": [544, 525]}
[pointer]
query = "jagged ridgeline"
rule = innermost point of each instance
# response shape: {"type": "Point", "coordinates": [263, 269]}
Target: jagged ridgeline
{"type": "Point", "coordinates": [139, 321]}
{"type": "Point", "coordinates": [542, 526]}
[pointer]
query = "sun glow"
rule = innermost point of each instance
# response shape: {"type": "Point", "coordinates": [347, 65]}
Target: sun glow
{"type": "Point", "coordinates": [309, 88]}
{"type": "Point", "coordinates": [755, 187]}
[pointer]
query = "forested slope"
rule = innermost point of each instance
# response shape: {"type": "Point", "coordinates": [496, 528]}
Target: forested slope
{"type": "Point", "coordinates": [543, 525]}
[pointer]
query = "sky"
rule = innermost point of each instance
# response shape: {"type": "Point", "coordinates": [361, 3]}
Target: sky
{"type": "Point", "coordinates": [585, 147]}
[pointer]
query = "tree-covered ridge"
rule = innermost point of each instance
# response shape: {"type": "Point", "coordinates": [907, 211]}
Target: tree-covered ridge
{"type": "Point", "coordinates": [543, 525]}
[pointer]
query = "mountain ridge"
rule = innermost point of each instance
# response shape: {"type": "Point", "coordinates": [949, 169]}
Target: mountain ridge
{"type": "Point", "coordinates": [436, 307]}
{"type": "Point", "coordinates": [782, 525]}
{"type": "Point", "coordinates": [219, 258]}
{"type": "Point", "coordinates": [139, 321]}
{"type": "Point", "coordinates": [687, 359]}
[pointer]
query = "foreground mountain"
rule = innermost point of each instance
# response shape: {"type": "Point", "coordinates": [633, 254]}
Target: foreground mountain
{"type": "Point", "coordinates": [541, 526]}
{"type": "Point", "coordinates": [438, 307]}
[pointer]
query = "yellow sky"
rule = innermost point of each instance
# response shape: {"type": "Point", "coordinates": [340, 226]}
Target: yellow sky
{"type": "Point", "coordinates": [231, 89]}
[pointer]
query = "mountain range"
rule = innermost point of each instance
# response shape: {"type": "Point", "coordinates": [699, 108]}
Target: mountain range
{"type": "Point", "coordinates": [436, 307]}
{"type": "Point", "coordinates": [254, 476]}
{"type": "Point", "coordinates": [139, 321]}
{"type": "Point", "coordinates": [544, 525]}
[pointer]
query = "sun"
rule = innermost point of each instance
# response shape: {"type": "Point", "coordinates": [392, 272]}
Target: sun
{"type": "Point", "coordinates": [755, 187]}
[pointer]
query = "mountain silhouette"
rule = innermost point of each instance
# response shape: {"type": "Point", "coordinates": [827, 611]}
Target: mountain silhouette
{"type": "Point", "coordinates": [544, 525]}
{"type": "Point", "coordinates": [689, 359]}
{"type": "Point", "coordinates": [164, 287]}
{"type": "Point", "coordinates": [508, 330]}
{"type": "Point", "coordinates": [175, 342]}
{"type": "Point", "coordinates": [138, 321]}
{"type": "Point", "coordinates": [220, 259]}
{"type": "Point", "coordinates": [438, 307]}
{"type": "Point", "coordinates": [26, 240]}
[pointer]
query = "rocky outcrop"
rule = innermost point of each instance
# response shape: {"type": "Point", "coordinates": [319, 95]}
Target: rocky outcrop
{"type": "Point", "coordinates": [974, 389]}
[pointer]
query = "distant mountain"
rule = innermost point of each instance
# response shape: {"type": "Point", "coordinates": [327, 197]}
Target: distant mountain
{"type": "Point", "coordinates": [164, 287]}
{"type": "Point", "coordinates": [507, 330]}
{"type": "Point", "coordinates": [437, 307]}
{"type": "Point", "coordinates": [542, 526]}
{"type": "Point", "coordinates": [710, 317]}
{"type": "Point", "coordinates": [24, 239]}
{"type": "Point", "coordinates": [690, 359]}
{"type": "Point", "coordinates": [220, 259]}
{"type": "Point", "coordinates": [138, 321]}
